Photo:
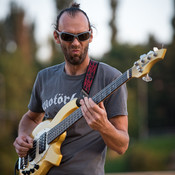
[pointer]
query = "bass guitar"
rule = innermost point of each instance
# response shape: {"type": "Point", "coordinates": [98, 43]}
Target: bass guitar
{"type": "Point", "coordinates": [49, 135]}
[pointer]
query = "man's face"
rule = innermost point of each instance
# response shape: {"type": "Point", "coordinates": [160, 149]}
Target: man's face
{"type": "Point", "coordinates": [75, 52]}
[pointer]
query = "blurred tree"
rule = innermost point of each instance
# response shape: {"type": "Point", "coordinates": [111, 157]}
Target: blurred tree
{"type": "Point", "coordinates": [17, 73]}
{"type": "Point", "coordinates": [63, 4]}
{"type": "Point", "coordinates": [112, 23]}
{"type": "Point", "coordinates": [19, 33]}
{"type": "Point", "coordinates": [17, 47]}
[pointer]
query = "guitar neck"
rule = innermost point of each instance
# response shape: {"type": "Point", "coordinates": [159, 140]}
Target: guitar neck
{"type": "Point", "coordinates": [77, 114]}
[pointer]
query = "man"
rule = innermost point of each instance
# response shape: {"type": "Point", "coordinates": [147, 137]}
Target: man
{"type": "Point", "coordinates": [84, 148]}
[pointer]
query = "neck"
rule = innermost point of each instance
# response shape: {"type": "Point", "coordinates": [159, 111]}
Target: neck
{"type": "Point", "coordinates": [76, 69]}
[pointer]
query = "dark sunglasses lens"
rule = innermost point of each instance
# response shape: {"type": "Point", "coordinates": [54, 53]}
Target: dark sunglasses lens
{"type": "Point", "coordinates": [67, 37]}
{"type": "Point", "coordinates": [84, 36]}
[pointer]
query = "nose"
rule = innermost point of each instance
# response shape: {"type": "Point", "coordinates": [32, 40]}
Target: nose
{"type": "Point", "coordinates": [75, 41]}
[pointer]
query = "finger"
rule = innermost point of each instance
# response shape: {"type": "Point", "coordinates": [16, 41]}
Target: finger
{"type": "Point", "coordinates": [86, 100]}
{"type": "Point", "coordinates": [92, 103]}
{"type": "Point", "coordinates": [81, 102]}
{"type": "Point", "coordinates": [21, 151]}
{"type": "Point", "coordinates": [23, 142]}
{"type": "Point", "coordinates": [29, 140]}
{"type": "Point", "coordinates": [85, 111]}
{"type": "Point", "coordinates": [94, 108]}
{"type": "Point", "coordinates": [19, 147]}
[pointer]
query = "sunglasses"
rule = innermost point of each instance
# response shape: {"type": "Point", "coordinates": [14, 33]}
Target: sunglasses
{"type": "Point", "coordinates": [69, 37]}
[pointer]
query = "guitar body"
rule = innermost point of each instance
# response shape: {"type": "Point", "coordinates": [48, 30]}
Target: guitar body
{"type": "Point", "coordinates": [52, 154]}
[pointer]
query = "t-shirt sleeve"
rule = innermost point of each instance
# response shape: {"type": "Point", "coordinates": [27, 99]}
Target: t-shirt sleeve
{"type": "Point", "coordinates": [116, 104]}
{"type": "Point", "coordinates": [35, 104]}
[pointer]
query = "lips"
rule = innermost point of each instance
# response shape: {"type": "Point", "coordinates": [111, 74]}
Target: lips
{"type": "Point", "coordinates": [75, 51]}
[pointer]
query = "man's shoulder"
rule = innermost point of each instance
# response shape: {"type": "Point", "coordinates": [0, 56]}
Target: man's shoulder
{"type": "Point", "coordinates": [52, 70]}
{"type": "Point", "coordinates": [108, 70]}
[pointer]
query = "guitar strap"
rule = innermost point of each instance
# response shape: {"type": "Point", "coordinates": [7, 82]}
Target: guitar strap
{"type": "Point", "coordinates": [89, 77]}
{"type": "Point", "coordinates": [88, 80]}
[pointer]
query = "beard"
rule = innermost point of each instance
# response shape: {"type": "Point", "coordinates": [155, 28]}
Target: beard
{"type": "Point", "coordinates": [75, 59]}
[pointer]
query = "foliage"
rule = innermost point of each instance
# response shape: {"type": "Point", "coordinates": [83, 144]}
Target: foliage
{"type": "Point", "coordinates": [8, 154]}
{"type": "Point", "coordinates": [18, 80]}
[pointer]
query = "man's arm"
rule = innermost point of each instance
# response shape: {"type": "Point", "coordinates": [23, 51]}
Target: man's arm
{"type": "Point", "coordinates": [116, 135]}
{"type": "Point", "coordinates": [114, 131]}
{"type": "Point", "coordinates": [28, 122]}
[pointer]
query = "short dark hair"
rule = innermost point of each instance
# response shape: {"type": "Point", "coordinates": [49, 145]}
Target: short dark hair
{"type": "Point", "coordinates": [72, 10]}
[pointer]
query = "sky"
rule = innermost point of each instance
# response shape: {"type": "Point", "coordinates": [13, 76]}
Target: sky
{"type": "Point", "coordinates": [135, 20]}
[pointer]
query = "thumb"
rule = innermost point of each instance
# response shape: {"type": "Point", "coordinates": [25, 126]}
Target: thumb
{"type": "Point", "coordinates": [101, 105]}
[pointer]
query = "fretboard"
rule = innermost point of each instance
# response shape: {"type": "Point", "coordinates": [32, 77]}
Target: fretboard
{"type": "Point", "coordinates": [77, 114]}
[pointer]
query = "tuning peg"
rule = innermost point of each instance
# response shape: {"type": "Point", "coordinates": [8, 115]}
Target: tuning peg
{"type": "Point", "coordinates": [136, 63]}
{"type": "Point", "coordinates": [142, 60]}
{"type": "Point", "coordinates": [149, 57]}
{"type": "Point", "coordinates": [140, 70]}
{"type": "Point", "coordinates": [155, 49]}
{"type": "Point", "coordinates": [147, 78]}
{"type": "Point", "coordinates": [150, 52]}
{"type": "Point", "coordinates": [142, 56]}
{"type": "Point", "coordinates": [155, 54]}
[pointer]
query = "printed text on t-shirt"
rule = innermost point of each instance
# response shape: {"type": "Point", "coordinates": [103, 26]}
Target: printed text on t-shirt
{"type": "Point", "coordinates": [57, 99]}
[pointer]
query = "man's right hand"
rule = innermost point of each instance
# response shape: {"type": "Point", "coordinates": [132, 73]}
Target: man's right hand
{"type": "Point", "coordinates": [22, 145]}
{"type": "Point", "coordinates": [27, 124]}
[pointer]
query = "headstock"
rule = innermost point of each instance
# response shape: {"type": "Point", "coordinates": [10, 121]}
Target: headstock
{"type": "Point", "coordinates": [143, 66]}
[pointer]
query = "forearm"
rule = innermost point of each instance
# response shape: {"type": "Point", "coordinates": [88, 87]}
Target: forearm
{"type": "Point", "coordinates": [114, 131]}
{"type": "Point", "coordinates": [115, 139]}
{"type": "Point", "coordinates": [28, 123]}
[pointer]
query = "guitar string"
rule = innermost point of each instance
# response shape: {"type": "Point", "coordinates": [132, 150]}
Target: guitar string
{"type": "Point", "coordinates": [98, 97]}
{"type": "Point", "coordinates": [57, 130]}
{"type": "Point", "coordinates": [110, 88]}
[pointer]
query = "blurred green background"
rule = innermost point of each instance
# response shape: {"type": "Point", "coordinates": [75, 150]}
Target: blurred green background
{"type": "Point", "coordinates": [150, 106]}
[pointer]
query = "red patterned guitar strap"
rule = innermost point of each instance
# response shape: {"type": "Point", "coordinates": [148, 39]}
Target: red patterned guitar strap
{"type": "Point", "coordinates": [89, 79]}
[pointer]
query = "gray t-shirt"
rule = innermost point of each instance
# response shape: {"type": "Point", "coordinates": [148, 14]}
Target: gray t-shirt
{"type": "Point", "coordinates": [83, 149]}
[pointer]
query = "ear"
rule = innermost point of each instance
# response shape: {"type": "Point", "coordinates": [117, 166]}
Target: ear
{"type": "Point", "coordinates": [91, 37]}
{"type": "Point", "coordinates": [56, 37]}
